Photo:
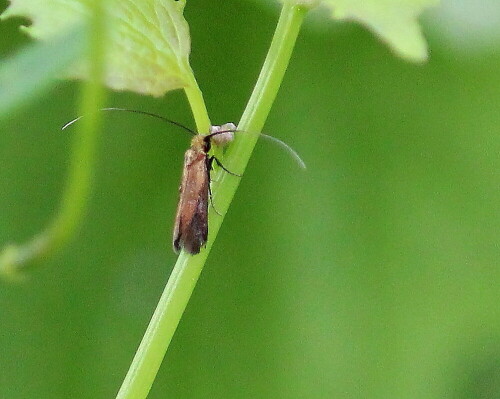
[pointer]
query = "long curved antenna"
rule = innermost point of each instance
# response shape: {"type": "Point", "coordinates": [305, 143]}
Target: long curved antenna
{"type": "Point", "coordinates": [137, 112]}
{"type": "Point", "coordinates": [294, 154]}
{"type": "Point", "coordinates": [71, 122]}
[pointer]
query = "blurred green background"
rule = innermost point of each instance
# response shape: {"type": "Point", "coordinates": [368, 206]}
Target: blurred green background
{"type": "Point", "coordinates": [374, 274]}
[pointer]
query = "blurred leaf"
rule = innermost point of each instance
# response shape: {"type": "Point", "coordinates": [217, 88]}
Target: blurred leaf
{"type": "Point", "coordinates": [467, 27]}
{"type": "Point", "coordinates": [395, 21]}
{"type": "Point", "coordinates": [149, 41]}
{"type": "Point", "coordinates": [34, 69]}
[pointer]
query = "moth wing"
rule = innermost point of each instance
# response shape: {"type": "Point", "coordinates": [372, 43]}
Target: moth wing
{"type": "Point", "coordinates": [191, 221]}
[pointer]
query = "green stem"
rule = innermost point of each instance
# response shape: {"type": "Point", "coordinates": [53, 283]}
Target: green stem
{"type": "Point", "coordinates": [16, 258]}
{"type": "Point", "coordinates": [197, 104]}
{"type": "Point", "coordinates": [188, 268]}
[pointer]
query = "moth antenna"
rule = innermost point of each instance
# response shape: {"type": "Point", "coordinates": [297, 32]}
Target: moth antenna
{"type": "Point", "coordinates": [294, 154]}
{"type": "Point", "coordinates": [135, 111]}
{"type": "Point", "coordinates": [71, 122]}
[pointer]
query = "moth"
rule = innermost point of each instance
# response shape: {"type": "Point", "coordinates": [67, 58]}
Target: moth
{"type": "Point", "coordinates": [191, 220]}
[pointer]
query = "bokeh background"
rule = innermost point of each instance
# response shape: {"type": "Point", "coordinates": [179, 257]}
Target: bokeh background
{"type": "Point", "coordinates": [374, 274]}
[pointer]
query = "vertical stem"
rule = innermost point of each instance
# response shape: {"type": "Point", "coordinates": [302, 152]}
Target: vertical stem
{"type": "Point", "coordinates": [75, 198]}
{"type": "Point", "coordinates": [260, 103]}
{"type": "Point", "coordinates": [198, 107]}
{"type": "Point", "coordinates": [187, 270]}
{"type": "Point", "coordinates": [16, 258]}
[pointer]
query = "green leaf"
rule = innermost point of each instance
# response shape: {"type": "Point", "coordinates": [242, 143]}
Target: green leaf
{"type": "Point", "coordinates": [148, 47]}
{"type": "Point", "coordinates": [31, 71]}
{"type": "Point", "coordinates": [394, 21]}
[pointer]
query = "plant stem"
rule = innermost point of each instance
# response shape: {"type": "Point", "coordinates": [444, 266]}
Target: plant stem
{"type": "Point", "coordinates": [198, 107]}
{"type": "Point", "coordinates": [188, 268]}
{"type": "Point", "coordinates": [16, 258]}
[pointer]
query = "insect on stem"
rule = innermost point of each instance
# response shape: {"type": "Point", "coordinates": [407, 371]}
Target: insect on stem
{"type": "Point", "coordinates": [191, 220]}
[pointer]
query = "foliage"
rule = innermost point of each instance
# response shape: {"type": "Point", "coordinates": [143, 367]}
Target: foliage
{"type": "Point", "coordinates": [147, 42]}
{"type": "Point", "coordinates": [388, 282]}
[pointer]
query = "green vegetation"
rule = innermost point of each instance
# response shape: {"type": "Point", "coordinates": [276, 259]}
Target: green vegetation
{"type": "Point", "coordinates": [372, 275]}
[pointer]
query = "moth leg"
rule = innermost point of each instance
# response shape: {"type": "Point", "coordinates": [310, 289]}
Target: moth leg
{"type": "Point", "coordinates": [209, 168]}
{"type": "Point", "coordinates": [213, 158]}
{"type": "Point", "coordinates": [212, 200]}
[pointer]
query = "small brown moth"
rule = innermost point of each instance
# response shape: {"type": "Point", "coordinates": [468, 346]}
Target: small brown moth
{"type": "Point", "coordinates": [191, 220]}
